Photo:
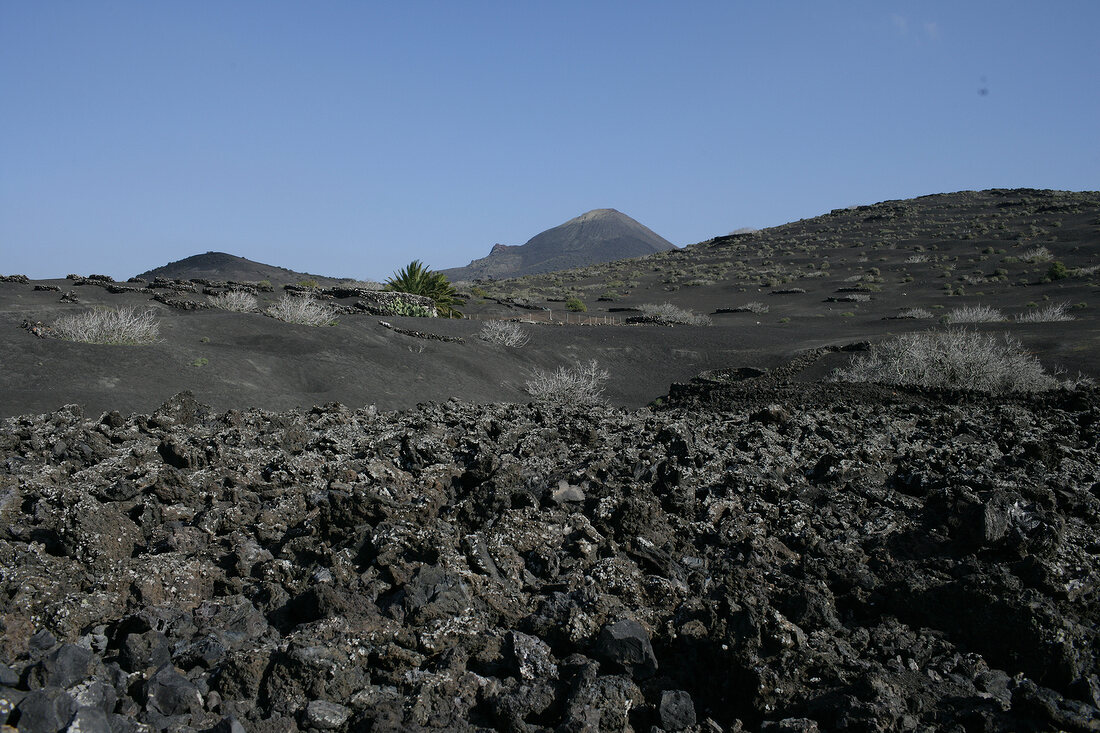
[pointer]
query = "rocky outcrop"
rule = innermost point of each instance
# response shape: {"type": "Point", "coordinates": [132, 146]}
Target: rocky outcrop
{"type": "Point", "coordinates": [874, 563]}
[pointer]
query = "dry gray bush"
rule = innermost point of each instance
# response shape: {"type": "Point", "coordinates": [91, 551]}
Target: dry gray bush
{"type": "Point", "coordinates": [915, 313]}
{"type": "Point", "coordinates": [1053, 312]}
{"type": "Point", "coordinates": [302, 310]}
{"type": "Point", "coordinates": [569, 386]}
{"type": "Point", "coordinates": [504, 333]}
{"type": "Point", "coordinates": [754, 306]}
{"type": "Point", "coordinates": [974, 314]}
{"type": "Point", "coordinates": [1037, 254]}
{"type": "Point", "coordinates": [670, 313]}
{"type": "Point", "coordinates": [234, 300]}
{"type": "Point", "coordinates": [954, 359]}
{"type": "Point", "coordinates": [108, 326]}
{"type": "Point", "coordinates": [916, 259]}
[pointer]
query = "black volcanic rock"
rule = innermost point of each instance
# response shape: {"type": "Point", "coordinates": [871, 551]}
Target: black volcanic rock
{"type": "Point", "coordinates": [222, 266]}
{"type": "Point", "coordinates": [601, 235]}
{"type": "Point", "coordinates": [409, 571]}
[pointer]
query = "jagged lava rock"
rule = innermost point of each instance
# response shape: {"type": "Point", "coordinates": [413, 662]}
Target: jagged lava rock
{"type": "Point", "coordinates": [768, 558]}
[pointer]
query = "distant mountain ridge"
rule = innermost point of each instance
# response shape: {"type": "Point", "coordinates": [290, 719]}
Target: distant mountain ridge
{"type": "Point", "coordinates": [600, 235]}
{"type": "Point", "coordinates": [224, 266]}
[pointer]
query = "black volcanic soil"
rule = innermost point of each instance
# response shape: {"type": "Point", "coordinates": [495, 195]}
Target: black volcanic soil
{"type": "Point", "coordinates": [866, 560]}
{"type": "Point", "coordinates": [892, 256]}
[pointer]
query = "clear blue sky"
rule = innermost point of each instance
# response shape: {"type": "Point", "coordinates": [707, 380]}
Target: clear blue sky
{"type": "Point", "coordinates": [347, 138]}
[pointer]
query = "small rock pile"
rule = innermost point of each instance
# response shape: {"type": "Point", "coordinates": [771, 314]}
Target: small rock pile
{"type": "Point", "coordinates": [873, 564]}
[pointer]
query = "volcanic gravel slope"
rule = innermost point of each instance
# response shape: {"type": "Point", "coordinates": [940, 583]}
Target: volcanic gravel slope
{"type": "Point", "coordinates": [859, 274]}
{"type": "Point", "coordinates": [885, 560]}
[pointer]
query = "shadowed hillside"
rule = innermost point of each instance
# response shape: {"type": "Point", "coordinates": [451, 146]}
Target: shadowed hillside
{"type": "Point", "coordinates": [223, 266]}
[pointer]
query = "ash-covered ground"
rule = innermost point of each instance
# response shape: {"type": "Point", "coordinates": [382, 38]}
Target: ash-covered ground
{"type": "Point", "coordinates": [815, 559]}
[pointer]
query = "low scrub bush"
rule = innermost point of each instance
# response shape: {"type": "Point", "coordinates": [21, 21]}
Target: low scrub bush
{"type": "Point", "coordinates": [1037, 254]}
{"type": "Point", "coordinates": [235, 300]}
{"type": "Point", "coordinates": [504, 333]}
{"type": "Point", "coordinates": [974, 314]}
{"type": "Point", "coordinates": [669, 313]}
{"type": "Point", "coordinates": [754, 306]}
{"type": "Point", "coordinates": [953, 359]}
{"type": "Point", "coordinates": [1053, 312]}
{"type": "Point", "coordinates": [1057, 271]}
{"type": "Point", "coordinates": [412, 310]}
{"type": "Point", "coordinates": [303, 311]}
{"type": "Point", "coordinates": [576, 305]}
{"type": "Point", "coordinates": [569, 386]}
{"type": "Point", "coordinates": [915, 313]}
{"type": "Point", "coordinates": [108, 326]}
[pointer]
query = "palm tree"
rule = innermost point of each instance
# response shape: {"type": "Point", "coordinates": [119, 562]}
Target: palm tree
{"type": "Point", "coordinates": [419, 280]}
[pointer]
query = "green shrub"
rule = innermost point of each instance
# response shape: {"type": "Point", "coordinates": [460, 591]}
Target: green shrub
{"type": "Point", "coordinates": [413, 310]}
{"type": "Point", "coordinates": [417, 279]}
{"type": "Point", "coordinates": [575, 304]}
{"type": "Point", "coordinates": [1057, 271]}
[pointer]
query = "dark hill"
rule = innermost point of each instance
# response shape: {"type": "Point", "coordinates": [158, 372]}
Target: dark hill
{"type": "Point", "coordinates": [223, 266]}
{"type": "Point", "coordinates": [601, 235]}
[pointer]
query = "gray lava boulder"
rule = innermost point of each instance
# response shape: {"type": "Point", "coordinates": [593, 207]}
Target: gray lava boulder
{"type": "Point", "coordinates": [326, 715]}
{"type": "Point", "coordinates": [625, 645]}
{"type": "Point", "coordinates": [676, 710]}
{"type": "Point", "coordinates": [47, 710]}
{"type": "Point", "coordinates": [169, 693]}
{"type": "Point", "coordinates": [530, 657]}
{"type": "Point", "coordinates": [63, 667]}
